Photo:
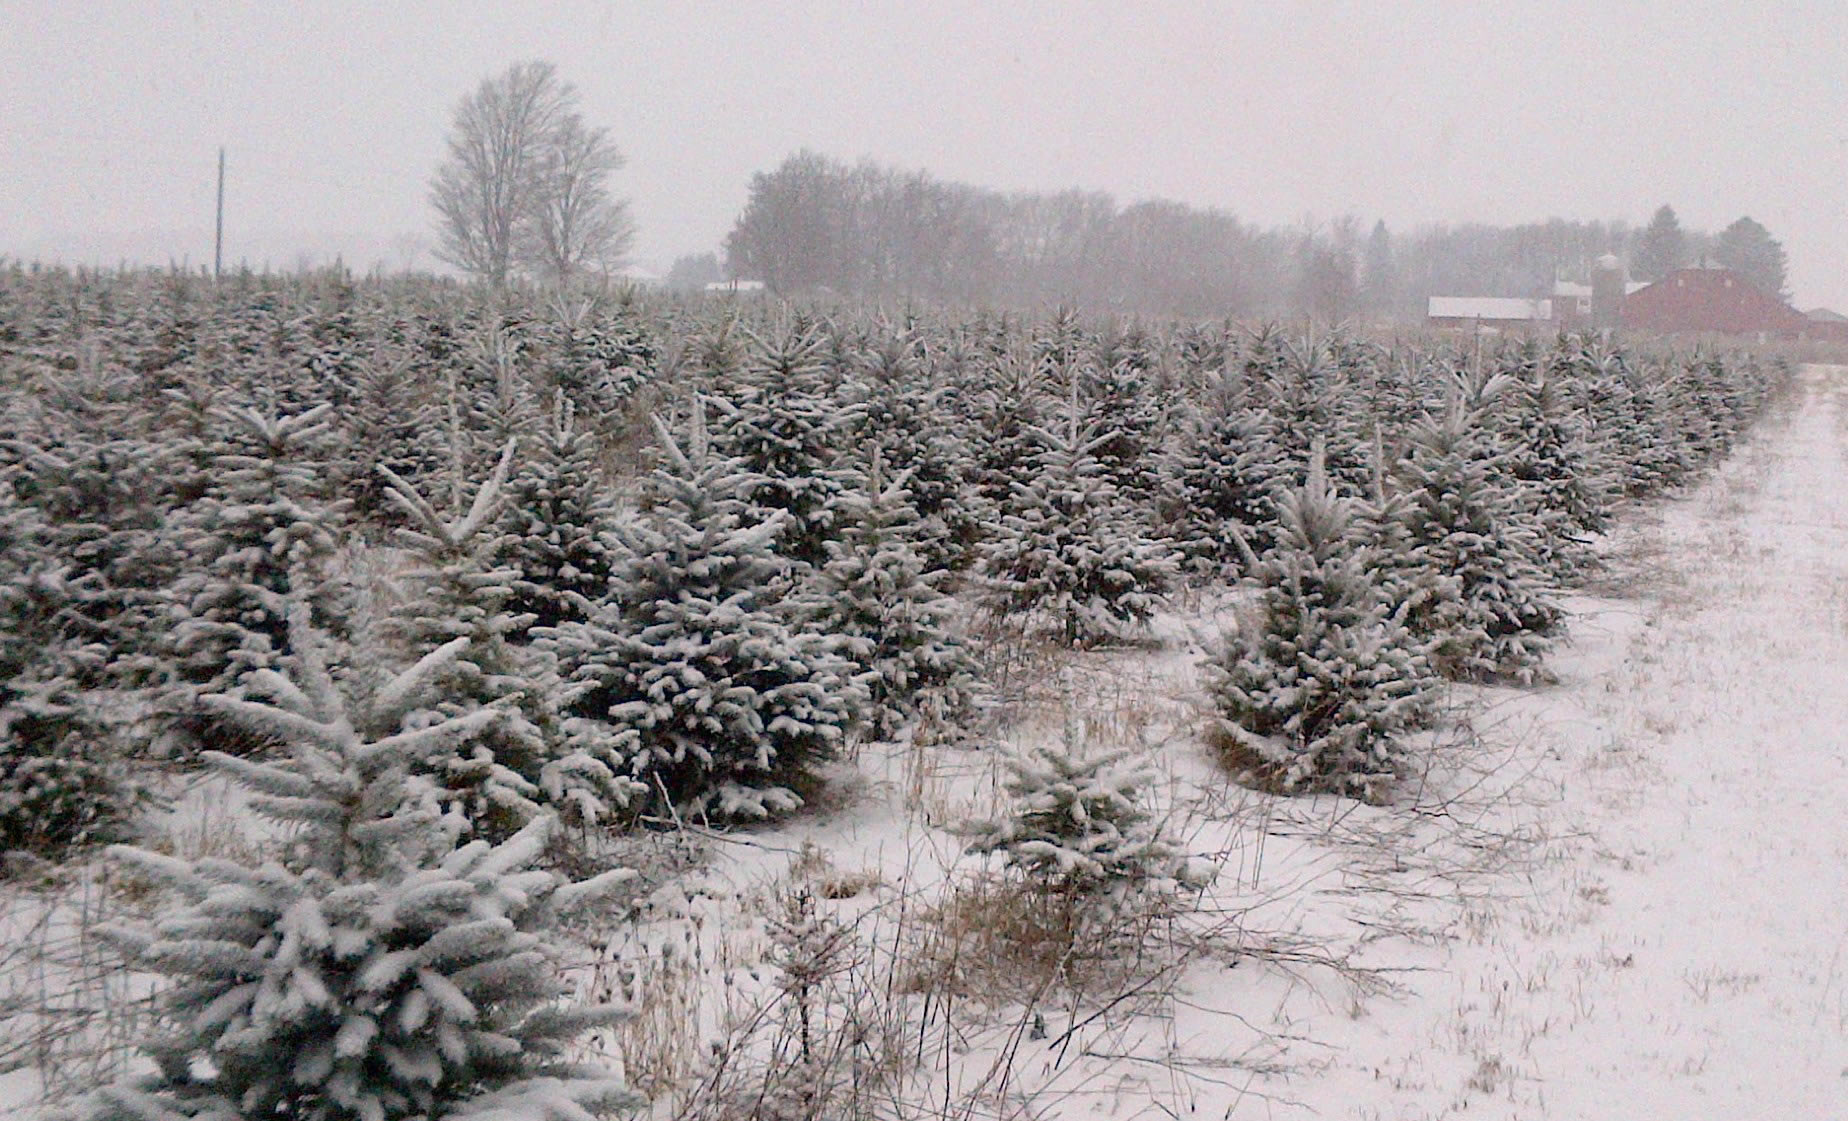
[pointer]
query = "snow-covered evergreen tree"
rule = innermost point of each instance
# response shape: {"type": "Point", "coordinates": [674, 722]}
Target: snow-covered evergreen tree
{"type": "Point", "coordinates": [388, 418]}
{"type": "Point", "coordinates": [554, 523]}
{"type": "Point", "coordinates": [1315, 693]}
{"type": "Point", "coordinates": [1009, 402]}
{"type": "Point", "coordinates": [454, 591]}
{"type": "Point", "coordinates": [598, 358]}
{"type": "Point", "coordinates": [789, 431]}
{"type": "Point", "coordinates": [1308, 393]}
{"type": "Point", "coordinates": [1225, 474]}
{"type": "Point", "coordinates": [1118, 396]}
{"type": "Point", "coordinates": [109, 548]}
{"type": "Point", "coordinates": [374, 970]}
{"type": "Point", "coordinates": [504, 777]}
{"type": "Point", "coordinates": [1071, 556]}
{"type": "Point", "coordinates": [63, 778]}
{"type": "Point", "coordinates": [913, 426]}
{"type": "Point", "coordinates": [499, 408]}
{"type": "Point", "coordinates": [1079, 825]}
{"type": "Point", "coordinates": [876, 599]}
{"type": "Point", "coordinates": [262, 534]}
{"type": "Point", "coordinates": [691, 680]}
{"type": "Point", "coordinates": [1548, 458]}
{"type": "Point", "coordinates": [1461, 525]}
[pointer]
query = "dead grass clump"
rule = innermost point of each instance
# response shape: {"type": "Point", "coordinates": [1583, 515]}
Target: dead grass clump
{"type": "Point", "coordinates": [825, 1040]}
{"type": "Point", "coordinates": [814, 870]}
{"type": "Point", "coordinates": [660, 1043]}
{"type": "Point", "coordinates": [998, 942]}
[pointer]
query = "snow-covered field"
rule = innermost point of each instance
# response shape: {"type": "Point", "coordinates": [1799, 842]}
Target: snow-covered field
{"type": "Point", "coordinates": [1616, 896]}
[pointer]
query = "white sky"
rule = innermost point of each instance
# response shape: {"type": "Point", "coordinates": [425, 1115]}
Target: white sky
{"type": "Point", "coordinates": [334, 114]}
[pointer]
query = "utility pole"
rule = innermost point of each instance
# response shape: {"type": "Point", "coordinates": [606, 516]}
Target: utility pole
{"type": "Point", "coordinates": [218, 239]}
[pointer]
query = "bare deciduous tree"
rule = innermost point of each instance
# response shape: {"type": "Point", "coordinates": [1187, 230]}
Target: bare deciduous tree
{"type": "Point", "coordinates": [525, 183]}
{"type": "Point", "coordinates": [574, 224]}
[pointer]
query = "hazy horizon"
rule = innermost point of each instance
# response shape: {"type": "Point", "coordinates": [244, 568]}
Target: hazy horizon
{"type": "Point", "coordinates": [1283, 114]}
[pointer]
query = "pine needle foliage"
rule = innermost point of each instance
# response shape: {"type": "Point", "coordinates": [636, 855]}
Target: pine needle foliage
{"type": "Point", "coordinates": [1465, 521]}
{"type": "Point", "coordinates": [376, 970]}
{"type": "Point", "coordinates": [262, 534]}
{"type": "Point", "coordinates": [1072, 557]}
{"type": "Point", "coordinates": [1316, 693]}
{"type": "Point", "coordinates": [886, 614]}
{"type": "Point", "coordinates": [692, 679]}
{"type": "Point", "coordinates": [505, 776]}
{"type": "Point", "coordinates": [1079, 826]}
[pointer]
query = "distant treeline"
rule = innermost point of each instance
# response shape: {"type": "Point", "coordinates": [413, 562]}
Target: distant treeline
{"type": "Point", "coordinates": [817, 224]}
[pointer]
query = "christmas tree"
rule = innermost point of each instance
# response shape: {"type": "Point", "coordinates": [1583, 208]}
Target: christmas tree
{"type": "Point", "coordinates": [1314, 693]}
{"type": "Point", "coordinates": [1079, 826]}
{"type": "Point", "coordinates": [263, 533]}
{"type": "Point", "coordinates": [884, 611]}
{"type": "Point", "coordinates": [691, 679]}
{"type": "Point", "coordinates": [504, 776]}
{"type": "Point", "coordinates": [1462, 524]}
{"type": "Point", "coordinates": [374, 970]}
{"type": "Point", "coordinates": [1070, 555]}
{"type": "Point", "coordinates": [554, 522]}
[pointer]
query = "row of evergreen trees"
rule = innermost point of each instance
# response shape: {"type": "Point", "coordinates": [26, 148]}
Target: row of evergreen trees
{"type": "Point", "coordinates": [700, 633]}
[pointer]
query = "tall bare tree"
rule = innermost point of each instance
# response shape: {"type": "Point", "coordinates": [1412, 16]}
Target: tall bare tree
{"type": "Point", "coordinates": [525, 184]}
{"type": "Point", "coordinates": [574, 224]}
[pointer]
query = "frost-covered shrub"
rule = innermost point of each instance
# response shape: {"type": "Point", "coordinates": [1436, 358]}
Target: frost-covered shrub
{"type": "Point", "coordinates": [373, 970]}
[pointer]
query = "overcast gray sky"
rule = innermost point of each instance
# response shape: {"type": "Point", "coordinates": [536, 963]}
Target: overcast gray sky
{"type": "Point", "coordinates": [334, 113]}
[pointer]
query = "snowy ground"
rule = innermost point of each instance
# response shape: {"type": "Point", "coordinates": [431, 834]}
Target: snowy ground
{"type": "Point", "coordinates": [1680, 949]}
{"type": "Point", "coordinates": [1618, 896]}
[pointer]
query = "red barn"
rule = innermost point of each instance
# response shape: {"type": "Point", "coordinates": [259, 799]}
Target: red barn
{"type": "Point", "coordinates": [1718, 300]}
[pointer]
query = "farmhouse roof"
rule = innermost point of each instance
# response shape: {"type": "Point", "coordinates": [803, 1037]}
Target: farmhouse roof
{"type": "Point", "coordinates": [1489, 308]}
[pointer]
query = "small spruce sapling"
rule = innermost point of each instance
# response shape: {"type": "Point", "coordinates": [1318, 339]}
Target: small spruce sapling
{"type": "Point", "coordinates": [1079, 827]}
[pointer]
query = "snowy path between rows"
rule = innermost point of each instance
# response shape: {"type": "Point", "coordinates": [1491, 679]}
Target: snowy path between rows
{"type": "Point", "coordinates": [1679, 947]}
